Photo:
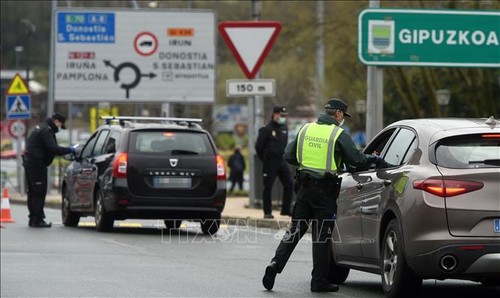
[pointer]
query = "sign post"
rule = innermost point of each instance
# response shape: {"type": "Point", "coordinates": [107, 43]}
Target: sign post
{"type": "Point", "coordinates": [250, 42]}
{"type": "Point", "coordinates": [18, 107]}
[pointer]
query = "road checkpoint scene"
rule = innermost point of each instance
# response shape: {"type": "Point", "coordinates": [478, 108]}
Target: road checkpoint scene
{"type": "Point", "coordinates": [175, 146]}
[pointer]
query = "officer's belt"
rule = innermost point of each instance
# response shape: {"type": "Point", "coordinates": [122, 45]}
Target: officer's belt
{"type": "Point", "coordinates": [314, 179]}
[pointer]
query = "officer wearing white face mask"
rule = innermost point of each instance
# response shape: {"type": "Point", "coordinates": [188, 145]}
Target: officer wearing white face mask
{"type": "Point", "coordinates": [270, 146]}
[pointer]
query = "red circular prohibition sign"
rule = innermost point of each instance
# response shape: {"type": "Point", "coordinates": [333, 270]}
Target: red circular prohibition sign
{"type": "Point", "coordinates": [138, 50]}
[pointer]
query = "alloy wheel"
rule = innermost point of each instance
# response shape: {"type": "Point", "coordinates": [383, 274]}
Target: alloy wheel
{"type": "Point", "coordinates": [390, 258]}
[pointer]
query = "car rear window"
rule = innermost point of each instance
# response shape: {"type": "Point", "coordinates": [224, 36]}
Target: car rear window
{"type": "Point", "coordinates": [170, 142]}
{"type": "Point", "coordinates": [472, 151]}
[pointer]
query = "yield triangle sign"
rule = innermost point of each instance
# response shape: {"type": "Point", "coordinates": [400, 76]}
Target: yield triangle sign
{"type": "Point", "coordinates": [250, 42]}
{"type": "Point", "coordinates": [17, 86]}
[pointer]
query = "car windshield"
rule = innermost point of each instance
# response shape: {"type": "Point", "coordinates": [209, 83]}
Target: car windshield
{"type": "Point", "coordinates": [473, 151]}
{"type": "Point", "coordinates": [170, 142]}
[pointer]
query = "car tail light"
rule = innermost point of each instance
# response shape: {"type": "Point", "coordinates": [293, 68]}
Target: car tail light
{"type": "Point", "coordinates": [447, 187]}
{"type": "Point", "coordinates": [221, 168]}
{"type": "Point", "coordinates": [120, 166]}
{"type": "Point", "coordinates": [494, 135]}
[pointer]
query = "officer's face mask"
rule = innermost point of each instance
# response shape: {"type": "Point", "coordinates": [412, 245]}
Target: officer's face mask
{"type": "Point", "coordinates": [58, 126]}
{"type": "Point", "coordinates": [341, 122]}
{"type": "Point", "coordinates": [281, 120]}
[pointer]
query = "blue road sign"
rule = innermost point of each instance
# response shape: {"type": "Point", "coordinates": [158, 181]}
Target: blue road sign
{"type": "Point", "coordinates": [497, 225]}
{"type": "Point", "coordinates": [86, 27]}
{"type": "Point", "coordinates": [18, 106]}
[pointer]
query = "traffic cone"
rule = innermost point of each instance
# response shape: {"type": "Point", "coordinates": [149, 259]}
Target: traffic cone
{"type": "Point", "coordinates": [5, 211]}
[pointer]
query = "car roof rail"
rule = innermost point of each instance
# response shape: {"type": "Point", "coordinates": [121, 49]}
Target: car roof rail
{"type": "Point", "coordinates": [134, 119]}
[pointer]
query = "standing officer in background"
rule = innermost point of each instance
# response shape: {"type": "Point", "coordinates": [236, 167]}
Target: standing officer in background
{"type": "Point", "coordinates": [270, 146]}
{"type": "Point", "coordinates": [41, 147]}
{"type": "Point", "coordinates": [318, 151]}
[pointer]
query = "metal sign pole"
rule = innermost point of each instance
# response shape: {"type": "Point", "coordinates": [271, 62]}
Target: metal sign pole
{"type": "Point", "coordinates": [374, 96]}
{"type": "Point", "coordinates": [20, 170]}
{"type": "Point", "coordinates": [254, 123]}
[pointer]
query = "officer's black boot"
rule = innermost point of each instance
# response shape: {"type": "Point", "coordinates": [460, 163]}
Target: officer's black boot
{"type": "Point", "coordinates": [32, 221]}
{"type": "Point", "coordinates": [41, 224]}
{"type": "Point", "coordinates": [324, 287]}
{"type": "Point", "coordinates": [270, 276]}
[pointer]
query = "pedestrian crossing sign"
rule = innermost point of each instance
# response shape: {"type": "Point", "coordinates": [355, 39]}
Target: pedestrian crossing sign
{"type": "Point", "coordinates": [18, 106]}
{"type": "Point", "coordinates": [17, 86]}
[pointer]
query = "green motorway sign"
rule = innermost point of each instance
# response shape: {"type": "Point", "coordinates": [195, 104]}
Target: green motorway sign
{"type": "Point", "coordinates": [449, 38]}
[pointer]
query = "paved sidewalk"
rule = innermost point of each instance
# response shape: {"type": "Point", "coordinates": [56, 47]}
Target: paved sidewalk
{"type": "Point", "coordinates": [236, 210]}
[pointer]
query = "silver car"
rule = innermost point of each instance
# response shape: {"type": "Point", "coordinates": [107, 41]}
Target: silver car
{"type": "Point", "coordinates": [435, 214]}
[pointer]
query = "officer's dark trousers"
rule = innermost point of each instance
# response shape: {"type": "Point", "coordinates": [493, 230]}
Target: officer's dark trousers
{"type": "Point", "coordinates": [37, 190]}
{"type": "Point", "coordinates": [271, 170]}
{"type": "Point", "coordinates": [314, 206]}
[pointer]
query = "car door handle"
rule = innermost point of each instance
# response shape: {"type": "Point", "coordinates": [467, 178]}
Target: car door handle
{"type": "Point", "coordinates": [387, 182]}
{"type": "Point", "coordinates": [369, 210]}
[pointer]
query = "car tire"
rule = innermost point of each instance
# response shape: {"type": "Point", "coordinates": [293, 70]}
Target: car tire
{"type": "Point", "coordinates": [336, 274]}
{"type": "Point", "coordinates": [103, 220]}
{"type": "Point", "coordinates": [172, 223]}
{"type": "Point", "coordinates": [69, 218]}
{"type": "Point", "coordinates": [397, 278]}
{"type": "Point", "coordinates": [210, 226]}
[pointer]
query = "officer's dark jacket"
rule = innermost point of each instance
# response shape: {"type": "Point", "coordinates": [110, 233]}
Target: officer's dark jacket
{"type": "Point", "coordinates": [271, 141]}
{"type": "Point", "coordinates": [345, 149]}
{"type": "Point", "coordinates": [41, 146]}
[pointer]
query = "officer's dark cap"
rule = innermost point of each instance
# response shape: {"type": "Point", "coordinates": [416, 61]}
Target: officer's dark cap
{"type": "Point", "coordinates": [61, 118]}
{"type": "Point", "coordinates": [281, 110]}
{"type": "Point", "coordinates": [337, 104]}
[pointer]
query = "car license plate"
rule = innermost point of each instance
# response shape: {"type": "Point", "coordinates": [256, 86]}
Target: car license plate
{"type": "Point", "coordinates": [496, 225]}
{"type": "Point", "coordinates": [172, 182]}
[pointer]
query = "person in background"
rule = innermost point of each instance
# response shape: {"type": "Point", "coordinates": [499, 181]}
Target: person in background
{"type": "Point", "coordinates": [270, 146]}
{"type": "Point", "coordinates": [41, 148]}
{"type": "Point", "coordinates": [319, 150]}
{"type": "Point", "coordinates": [237, 165]}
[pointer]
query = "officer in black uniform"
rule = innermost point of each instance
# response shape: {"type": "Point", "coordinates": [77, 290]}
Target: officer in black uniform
{"type": "Point", "coordinates": [41, 148]}
{"type": "Point", "coordinates": [270, 146]}
{"type": "Point", "coordinates": [317, 188]}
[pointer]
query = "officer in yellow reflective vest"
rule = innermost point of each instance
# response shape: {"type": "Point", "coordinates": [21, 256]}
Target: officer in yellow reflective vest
{"type": "Point", "coordinates": [318, 150]}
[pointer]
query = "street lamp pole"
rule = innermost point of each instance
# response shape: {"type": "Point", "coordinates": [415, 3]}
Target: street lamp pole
{"type": "Point", "coordinates": [361, 110]}
{"type": "Point", "coordinates": [443, 99]}
{"type": "Point", "coordinates": [30, 30]}
{"type": "Point", "coordinates": [18, 50]}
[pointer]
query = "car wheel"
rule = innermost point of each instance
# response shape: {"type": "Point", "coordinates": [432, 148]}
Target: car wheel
{"type": "Point", "coordinates": [172, 223]}
{"type": "Point", "coordinates": [103, 220]}
{"type": "Point", "coordinates": [210, 226]}
{"type": "Point", "coordinates": [69, 219]}
{"type": "Point", "coordinates": [336, 274]}
{"type": "Point", "coordinates": [491, 281]}
{"type": "Point", "coordinates": [397, 278]}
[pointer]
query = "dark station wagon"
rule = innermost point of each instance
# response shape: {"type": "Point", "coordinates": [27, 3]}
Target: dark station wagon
{"type": "Point", "coordinates": [146, 168]}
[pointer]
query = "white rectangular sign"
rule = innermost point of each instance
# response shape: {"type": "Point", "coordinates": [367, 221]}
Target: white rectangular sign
{"type": "Point", "coordinates": [261, 87]}
{"type": "Point", "coordinates": [134, 55]}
